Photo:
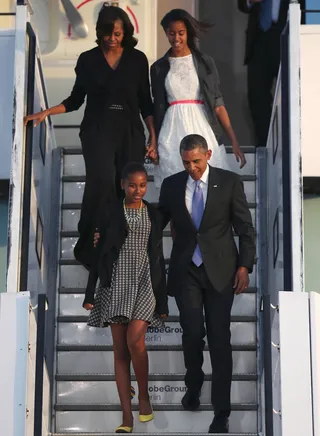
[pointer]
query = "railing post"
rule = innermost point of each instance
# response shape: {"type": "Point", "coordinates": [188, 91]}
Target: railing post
{"type": "Point", "coordinates": [287, 250]}
{"type": "Point", "coordinates": [38, 394]}
{"type": "Point", "coordinates": [265, 357]}
{"type": "Point", "coordinates": [27, 163]}
{"type": "Point", "coordinates": [295, 162]}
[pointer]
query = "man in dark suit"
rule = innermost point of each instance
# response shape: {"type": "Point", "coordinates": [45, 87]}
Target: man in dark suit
{"type": "Point", "coordinates": [204, 205]}
{"type": "Point", "coordinates": [267, 19]}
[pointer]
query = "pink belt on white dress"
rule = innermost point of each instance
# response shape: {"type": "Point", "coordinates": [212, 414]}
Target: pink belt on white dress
{"type": "Point", "coordinates": [186, 102]}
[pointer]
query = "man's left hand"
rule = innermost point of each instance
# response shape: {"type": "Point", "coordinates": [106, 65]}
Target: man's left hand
{"type": "Point", "coordinates": [241, 281]}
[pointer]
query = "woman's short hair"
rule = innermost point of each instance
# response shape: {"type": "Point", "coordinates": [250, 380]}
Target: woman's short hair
{"type": "Point", "coordinates": [194, 26]}
{"type": "Point", "coordinates": [105, 24]}
{"type": "Point", "coordinates": [190, 142]}
{"type": "Point", "coordinates": [133, 168]}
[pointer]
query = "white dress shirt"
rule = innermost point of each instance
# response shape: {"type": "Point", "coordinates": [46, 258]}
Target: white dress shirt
{"type": "Point", "coordinates": [275, 9]}
{"type": "Point", "coordinates": [191, 184]}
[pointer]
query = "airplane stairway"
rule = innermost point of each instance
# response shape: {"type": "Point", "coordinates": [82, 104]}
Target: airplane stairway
{"type": "Point", "coordinates": [86, 399]}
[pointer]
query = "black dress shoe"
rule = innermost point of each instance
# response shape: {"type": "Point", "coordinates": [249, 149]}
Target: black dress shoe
{"type": "Point", "coordinates": [191, 401]}
{"type": "Point", "coordinates": [220, 424]}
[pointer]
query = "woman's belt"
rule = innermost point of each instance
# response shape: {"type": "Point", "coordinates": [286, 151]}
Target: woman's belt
{"type": "Point", "coordinates": [186, 102]}
{"type": "Point", "coordinates": [116, 107]}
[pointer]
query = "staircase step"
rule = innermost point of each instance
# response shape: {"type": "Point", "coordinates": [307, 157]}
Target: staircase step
{"type": "Point", "coordinates": [74, 333]}
{"type": "Point", "coordinates": [77, 206]}
{"type": "Point", "coordinates": [82, 178]}
{"type": "Point", "coordinates": [160, 348]}
{"type": "Point", "coordinates": [168, 419]}
{"type": "Point", "coordinates": [70, 261]}
{"type": "Point", "coordinates": [75, 262]}
{"type": "Point", "coordinates": [73, 275]}
{"type": "Point", "coordinates": [161, 359]}
{"type": "Point", "coordinates": [71, 215]}
{"type": "Point", "coordinates": [75, 234]}
{"type": "Point", "coordinates": [151, 377]}
{"type": "Point", "coordinates": [151, 434]}
{"type": "Point", "coordinates": [156, 407]}
{"type": "Point", "coordinates": [73, 161]}
{"type": "Point", "coordinates": [70, 304]}
{"type": "Point", "coordinates": [73, 189]}
{"type": "Point", "coordinates": [160, 392]}
{"type": "Point", "coordinates": [171, 319]}
{"type": "Point", "coordinates": [74, 165]}
{"type": "Point", "coordinates": [251, 290]}
{"type": "Point", "coordinates": [68, 243]}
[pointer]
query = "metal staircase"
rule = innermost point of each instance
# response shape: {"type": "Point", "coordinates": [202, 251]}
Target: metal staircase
{"type": "Point", "coordinates": [86, 399]}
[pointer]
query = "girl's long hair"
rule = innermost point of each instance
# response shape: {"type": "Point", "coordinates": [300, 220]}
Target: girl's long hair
{"type": "Point", "coordinates": [105, 24]}
{"type": "Point", "coordinates": [194, 26]}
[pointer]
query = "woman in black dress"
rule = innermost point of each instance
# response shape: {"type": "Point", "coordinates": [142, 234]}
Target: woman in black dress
{"type": "Point", "coordinates": [114, 77]}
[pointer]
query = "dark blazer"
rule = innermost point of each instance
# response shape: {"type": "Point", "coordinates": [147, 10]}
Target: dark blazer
{"type": "Point", "coordinates": [253, 27]}
{"type": "Point", "coordinates": [113, 232]}
{"type": "Point", "coordinates": [209, 86]}
{"type": "Point", "coordinates": [226, 208]}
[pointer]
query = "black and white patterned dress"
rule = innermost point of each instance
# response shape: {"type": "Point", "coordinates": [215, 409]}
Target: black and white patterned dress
{"type": "Point", "coordinates": [130, 295]}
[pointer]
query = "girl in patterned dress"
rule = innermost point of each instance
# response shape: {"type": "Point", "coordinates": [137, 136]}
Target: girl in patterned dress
{"type": "Point", "coordinates": [132, 293]}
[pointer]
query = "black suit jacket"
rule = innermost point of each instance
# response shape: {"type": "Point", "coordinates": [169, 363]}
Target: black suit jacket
{"type": "Point", "coordinates": [253, 27]}
{"type": "Point", "coordinates": [226, 208]}
{"type": "Point", "coordinates": [113, 230]}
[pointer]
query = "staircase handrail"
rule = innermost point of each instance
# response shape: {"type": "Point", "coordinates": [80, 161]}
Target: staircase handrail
{"type": "Point", "coordinates": [27, 64]}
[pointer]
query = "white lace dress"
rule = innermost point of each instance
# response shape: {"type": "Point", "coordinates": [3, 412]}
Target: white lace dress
{"type": "Point", "coordinates": [180, 120]}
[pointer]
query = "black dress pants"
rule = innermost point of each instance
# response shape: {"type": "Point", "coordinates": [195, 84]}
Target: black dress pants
{"type": "Point", "coordinates": [108, 144]}
{"type": "Point", "coordinates": [196, 299]}
{"type": "Point", "coordinates": [263, 66]}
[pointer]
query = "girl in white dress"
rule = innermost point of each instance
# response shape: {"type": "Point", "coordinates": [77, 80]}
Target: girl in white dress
{"type": "Point", "coordinates": [187, 97]}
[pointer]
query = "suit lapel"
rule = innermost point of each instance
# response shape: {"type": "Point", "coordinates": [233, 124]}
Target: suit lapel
{"type": "Point", "coordinates": [182, 196]}
{"type": "Point", "coordinates": [213, 195]}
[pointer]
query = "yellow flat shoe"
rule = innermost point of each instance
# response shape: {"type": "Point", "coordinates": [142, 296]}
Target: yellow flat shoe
{"type": "Point", "coordinates": [146, 418]}
{"type": "Point", "coordinates": [123, 429]}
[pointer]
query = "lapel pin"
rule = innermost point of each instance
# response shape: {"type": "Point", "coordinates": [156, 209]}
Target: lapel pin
{"type": "Point", "coordinates": [215, 186]}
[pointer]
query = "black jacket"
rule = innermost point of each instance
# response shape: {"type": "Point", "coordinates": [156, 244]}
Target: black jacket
{"type": "Point", "coordinates": [253, 29]}
{"type": "Point", "coordinates": [113, 230]}
{"type": "Point", "coordinates": [209, 87]}
{"type": "Point", "coordinates": [226, 209]}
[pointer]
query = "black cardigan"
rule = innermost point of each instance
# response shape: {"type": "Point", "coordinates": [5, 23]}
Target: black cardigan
{"type": "Point", "coordinates": [113, 230]}
{"type": "Point", "coordinates": [209, 87]}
